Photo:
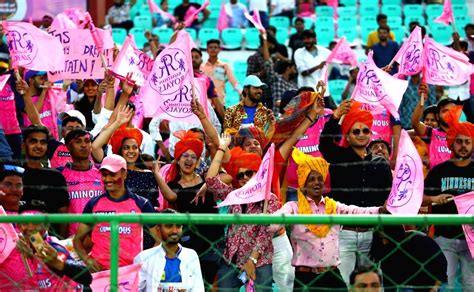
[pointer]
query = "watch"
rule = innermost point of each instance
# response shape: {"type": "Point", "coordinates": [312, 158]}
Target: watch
{"type": "Point", "coordinates": [254, 260]}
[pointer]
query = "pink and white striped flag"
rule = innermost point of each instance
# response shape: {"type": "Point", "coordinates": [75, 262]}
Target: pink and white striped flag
{"type": "Point", "coordinates": [156, 9]}
{"type": "Point", "coordinates": [447, 16]}
{"type": "Point", "coordinates": [132, 60]}
{"type": "Point", "coordinates": [445, 66]}
{"type": "Point", "coordinates": [465, 206]}
{"type": "Point", "coordinates": [409, 57]}
{"type": "Point", "coordinates": [258, 187]}
{"type": "Point", "coordinates": [128, 279]}
{"type": "Point", "coordinates": [167, 92]}
{"type": "Point", "coordinates": [8, 238]}
{"type": "Point", "coordinates": [377, 87]}
{"type": "Point", "coordinates": [192, 14]}
{"type": "Point", "coordinates": [255, 19]}
{"type": "Point", "coordinates": [32, 48]}
{"type": "Point", "coordinates": [408, 181]}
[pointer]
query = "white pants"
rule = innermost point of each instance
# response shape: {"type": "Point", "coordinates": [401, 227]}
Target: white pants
{"type": "Point", "coordinates": [283, 271]}
{"type": "Point", "coordinates": [457, 252]}
{"type": "Point", "coordinates": [354, 247]}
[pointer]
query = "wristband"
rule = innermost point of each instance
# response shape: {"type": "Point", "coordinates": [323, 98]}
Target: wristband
{"type": "Point", "coordinates": [254, 260]}
{"type": "Point", "coordinates": [311, 120]}
{"type": "Point", "coordinates": [221, 149]}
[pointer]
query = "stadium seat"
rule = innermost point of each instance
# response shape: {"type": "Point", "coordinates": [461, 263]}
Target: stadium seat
{"type": "Point", "coordinates": [252, 36]}
{"type": "Point", "coordinates": [206, 34]}
{"type": "Point", "coordinates": [393, 21]}
{"type": "Point", "coordinates": [324, 35]}
{"type": "Point", "coordinates": [392, 2]}
{"type": "Point", "coordinates": [349, 32]}
{"type": "Point", "coordinates": [164, 33]}
{"type": "Point", "coordinates": [399, 32]}
{"type": "Point", "coordinates": [337, 88]}
{"type": "Point", "coordinates": [240, 70]}
{"type": "Point", "coordinates": [308, 22]}
{"type": "Point", "coordinates": [192, 32]}
{"type": "Point", "coordinates": [413, 10]}
{"type": "Point", "coordinates": [461, 21]}
{"type": "Point", "coordinates": [145, 10]}
{"type": "Point", "coordinates": [368, 20]}
{"type": "Point", "coordinates": [347, 21]}
{"type": "Point", "coordinates": [441, 33]}
{"type": "Point", "coordinates": [460, 10]}
{"type": "Point", "coordinates": [280, 21]}
{"type": "Point", "coordinates": [143, 21]}
{"type": "Point", "coordinates": [139, 36]}
{"type": "Point", "coordinates": [325, 21]}
{"type": "Point", "coordinates": [348, 11]}
{"type": "Point", "coordinates": [232, 97]}
{"type": "Point", "coordinates": [214, 10]}
{"type": "Point", "coordinates": [374, 3]}
{"type": "Point", "coordinates": [392, 10]}
{"type": "Point", "coordinates": [211, 22]}
{"type": "Point", "coordinates": [365, 31]}
{"type": "Point", "coordinates": [119, 35]}
{"type": "Point", "coordinates": [371, 10]}
{"type": "Point", "coordinates": [282, 35]}
{"type": "Point", "coordinates": [433, 10]}
{"type": "Point", "coordinates": [418, 18]}
{"type": "Point", "coordinates": [324, 11]}
{"type": "Point", "coordinates": [231, 38]}
{"type": "Point", "coordinates": [348, 3]}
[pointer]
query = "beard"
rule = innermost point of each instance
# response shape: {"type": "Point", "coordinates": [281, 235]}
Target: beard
{"type": "Point", "coordinates": [254, 99]}
{"type": "Point", "coordinates": [459, 156]}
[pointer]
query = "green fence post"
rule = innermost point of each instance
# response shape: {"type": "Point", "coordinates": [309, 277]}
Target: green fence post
{"type": "Point", "coordinates": [114, 251]}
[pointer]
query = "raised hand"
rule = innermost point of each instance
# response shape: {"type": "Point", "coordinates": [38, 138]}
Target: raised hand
{"type": "Point", "coordinates": [128, 84]}
{"type": "Point", "coordinates": [124, 115]}
{"type": "Point", "coordinates": [342, 109]}
{"type": "Point", "coordinates": [224, 141]}
{"type": "Point", "coordinates": [197, 109]}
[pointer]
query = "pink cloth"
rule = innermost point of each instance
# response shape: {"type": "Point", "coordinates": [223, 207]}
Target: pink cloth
{"type": "Point", "coordinates": [61, 156]}
{"type": "Point", "coordinates": [127, 279]}
{"type": "Point", "coordinates": [310, 250]}
{"type": "Point", "coordinates": [8, 119]}
{"type": "Point", "coordinates": [343, 54]}
{"type": "Point", "coordinates": [464, 205]}
{"type": "Point", "coordinates": [48, 113]}
{"type": "Point", "coordinates": [258, 187]}
{"type": "Point", "coordinates": [222, 21]}
{"type": "Point", "coordinates": [156, 9]}
{"type": "Point", "coordinates": [447, 16]}
{"type": "Point", "coordinates": [62, 21]}
{"type": "Point", "coordinates": [381, 127]}
{"type": "Point", "coordinates": [445, 66]}
{"type": "Point", "coordinates": [8, 238]}
{"type": "Point", "coordinates": [81, 186]}
{"type": "Point", "coordinates": [410, 54]}
{"type": "Point", "coordinates": [255, 19]}
{"type": "Point", "coordinates": [408, 180]}
{"type": "Point", "coordinates": [139, 111]}
{"type": "Point", "coordinates": [192, 13]}
{"type": "Point", "coordinates": [438, 150]}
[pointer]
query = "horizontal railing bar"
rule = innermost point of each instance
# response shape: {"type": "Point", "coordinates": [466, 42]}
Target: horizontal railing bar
{"type": "Point", "coordinates": [244, 219]}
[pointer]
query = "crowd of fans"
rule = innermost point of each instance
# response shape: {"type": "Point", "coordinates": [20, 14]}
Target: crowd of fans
{"type": "Point", "coordinates": [93, 155]}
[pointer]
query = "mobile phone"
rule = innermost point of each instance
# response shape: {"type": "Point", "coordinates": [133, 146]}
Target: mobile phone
{"type": "Point", "coordinates": [37, 241]}
{"type": "Point", "coordinates": [243, 277]}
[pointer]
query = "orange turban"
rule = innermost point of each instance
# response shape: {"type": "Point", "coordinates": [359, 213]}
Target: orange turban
{"type": "Point", "coordinates": [455, 127]}
{"type": "Point", "coordinates": [241, 159]}
{"type": "Point", "coordinates": [189, 140]}
{"type": "Point", "coordinates": [252, 133]}
{"type": "Point", "coordinates": [123, 133]}
{"type": "Point", "coordinates": [355, 115]}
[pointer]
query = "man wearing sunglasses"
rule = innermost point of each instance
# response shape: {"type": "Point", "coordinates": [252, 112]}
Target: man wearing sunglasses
{"type": "Point", "coordinates": [357, 176]}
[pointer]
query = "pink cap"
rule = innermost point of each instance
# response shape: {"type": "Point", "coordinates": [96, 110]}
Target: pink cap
{"type": "Point", "coordinates": [113, 163]}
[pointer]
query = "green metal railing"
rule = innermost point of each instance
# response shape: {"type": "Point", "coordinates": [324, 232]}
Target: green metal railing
{"type": "Point", "coordinates": [214, 219]}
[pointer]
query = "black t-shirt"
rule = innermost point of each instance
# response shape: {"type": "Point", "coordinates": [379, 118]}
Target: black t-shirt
{"type": "Point", "coordinates": [447, 178]}
{"type": "Point", "coordinates": [4, 53]}
{"type": "Point", "coordinates": [180, 11]}
{"type": "Point", "coordinates": [47, 185]}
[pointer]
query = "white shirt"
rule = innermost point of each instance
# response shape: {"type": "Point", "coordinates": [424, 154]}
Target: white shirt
{"type": "Point", "coordinates": [460, 92]}
{"type": "Point", "coordinates": [260, 5]}
{"type": "Point", "coordinates": [281, 5]}
{"type": "Point", "coordinates": [304, 60]}
{"type": "Point", "coordinates": [153, 264]}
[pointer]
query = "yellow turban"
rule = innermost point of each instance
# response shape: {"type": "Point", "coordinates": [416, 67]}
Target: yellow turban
{"type": "Point", "coordinates": [307, 163]}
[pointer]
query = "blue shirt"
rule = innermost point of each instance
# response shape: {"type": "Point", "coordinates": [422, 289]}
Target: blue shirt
{"type": "Point", "coordinates": [249, 115]}
{"type": "Point", "coordinates": [384, 54]}
{"type": "Point", "coordinates": [172, 273]}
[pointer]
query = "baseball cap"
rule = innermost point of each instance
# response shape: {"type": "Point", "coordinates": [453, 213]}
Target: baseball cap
{"type": "Point", "coordinates": [73, 113]}
{"type": "Point", "coordinates": [113, 163]}
{"type": "Point", "coordinates": [444, 101]}
{"type": "Point", "coordinates": [254, 81]}
{"type": "Point", "coordinates": [31, 73]}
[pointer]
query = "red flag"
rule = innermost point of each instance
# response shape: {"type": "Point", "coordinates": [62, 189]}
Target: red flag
{"type": "Point", "coordinates": [410, 54]}
{"type": "Point", "coordinates": [447, 16]}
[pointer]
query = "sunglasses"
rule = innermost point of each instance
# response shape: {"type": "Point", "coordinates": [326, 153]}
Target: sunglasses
{"type": "Point", "coordinates": [365, 131]}
{"type": "Point", "coordinates": [243, 174]}
{"type": "Point", "coordinates": [13, 168]}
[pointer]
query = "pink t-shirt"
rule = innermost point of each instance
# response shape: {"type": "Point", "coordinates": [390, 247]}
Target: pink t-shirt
{"type": "Point", "coordinates": [8, 118]}
{"type": "Point", "coordinates": [438, 150]}
{"type": "Point", "coordinates": [139, 111]}
{"type": "Point", "coordinates": [131, 235]}
{"type": "Point", "coordinates": [60, 157]}
{"type": "Point", "coordinates": [48, 113]}
{"type": "Point", "coordinates": [81, 186]}
{"type": "Point", "coordinates": [381, 127]}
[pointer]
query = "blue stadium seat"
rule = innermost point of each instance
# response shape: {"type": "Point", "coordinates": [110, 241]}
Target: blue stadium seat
{"type": "Point", "coordinates": [347, 3]}
{"type": "Point", "coordinates": [369, 3]}
{"type": "Point", "coordinates": [346, 21]}
{"type": "Point", "coordinates": [413, 10]}
{"type": "Point", "coordinates": [459, 10]}
{"type": "Point", "coordinates": [365, 31]}
{"type": "Point", "coordinates": [240, 70]}
{"type": "Point", "coordinates": [337, 87]}
{"type": "Point", "coordinates": [252, 36]}
{"type": "Point", "coordinates": [211, 22]}
{"type": "Point", "coordinates": [231, 38]}
{"type": "Point", "coordinates": [164, 33]}
{"type": "Point", "coordinates": [324, 11]}
{"type": "Point", "coordinates": [347, 11]}
{"type": "Point", "coordinates": [308, 22]}
{"type": "Point", "coordinates": [433, 10]}
{"type": "Point", "coordinates": [369, 10]}
{"type": "Point", "coordinates": [399, 32]}
{"type": "Point", "coordinates": [206, 34]}
{"type": "Point", "coordinates": [119, 35]}
{"type": "Point", "coordinates": [392, 10]}
{"type": "Point", "coordinates": [461, 21]}
{"type": "Point", "coordinates": [441, 33]}
{"type": "Point", "coordinates": [349, 32]}
{"type": "Point", "coordinates": [280, 21]}
{"type": "Point", "coordinates": [143, 21]}
{"type": "Point", "coordinates": [393, 21]}
{"type": "Point", "coordinates": [325, 21]}
{"type": "Point", "coordinates": [232, 97]}
{"type": "Point", "coordinates": [368, 20]}
{"type": "Point", "coordinates": [282, 35]}
{"type": "Point", "coordinates": [392, 2]}
{"type": "Point", "coordinates": [325, 35]}
{"type": "Point", "coordinates": [192, 32]}
{"type": "Point", "coordinates": [419, 18]}
{"type": "Point", "coordinates": [139, 36]}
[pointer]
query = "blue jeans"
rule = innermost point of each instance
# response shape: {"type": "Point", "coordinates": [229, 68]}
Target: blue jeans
{"type": "Point", "coordinates": [5, 150]}
{"type": "Point", "coordinates": [15, 140]}
{"type": "Point", "coordinates": [228, 278]}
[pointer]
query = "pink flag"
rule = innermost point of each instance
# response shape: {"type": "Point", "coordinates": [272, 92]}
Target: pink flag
{"type": "Point", "coordinates": [408, 182]}
{"type": "Point", "coordinates": [76, 15]}
{"type": "Point", "coordinates": [446, 17]}
{"type": "Point", "coordinates": [255, 19]}
{"type": "Point", "coordinates": [377, 87]}
{"type": "Point", "coordinates": [132, 60]}
{"type": "Point", "coordinates": [8, 238]}
{"type": "Point", "coordinates": [32, 48]}
{"type": "Point", "coordinates": [333, 3]}
{"type": "Point", "coordinates": [258, 187]}
{"type": "Point", "coordinates": [167, 92]}
{"type": "Point", "coordinates": [98, 41]}
{"type": "Point", "coordinates": [62, 21]}
{"type": "Point", "coordinates": [3, 80]}
{"type": "Point", "coordinates": [465, 206]}
{"type": "Point", "coordinates": [222, 21]}
{"type": "Point", "coordinates": [192, 14]}
{"type": "Point", "coordinates": [156, 9]}
{"type": "Point", "coordinates": [127, 279]}
{"type": "Point", "coordinates": [343, 54]}
{"type": "Point", "coordinates": [410, 54]}
{"type": "Point", "coordinates": [445, 66]}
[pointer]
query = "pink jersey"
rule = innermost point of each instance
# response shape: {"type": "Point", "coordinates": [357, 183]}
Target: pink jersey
{"type": "Point", "coordinates": [131, 235]}
{"type": "Point", "coordinates": [8, 118]}
{"type": "Point", "coordinates": [48, 113]}
{"type": "Point", "coordinates": [308, 144]}
{"type": "Point", "coordinates": [139, 111]}
{"type": "Point", "coordinates": [381, 127]}
{"type": "Point", "coordinates": [438, 150]}
{"type": "Point", "coordinates": [60, 157]}
{"type": "Point", "coordinates": [81, 186]}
